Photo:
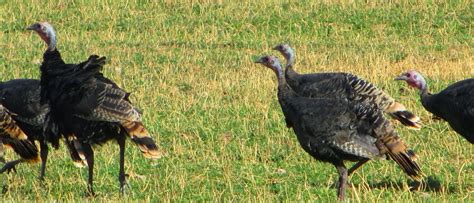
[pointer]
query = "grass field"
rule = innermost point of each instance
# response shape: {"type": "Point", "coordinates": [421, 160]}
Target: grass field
{"type": "Point", "coordinates": [215, 113]}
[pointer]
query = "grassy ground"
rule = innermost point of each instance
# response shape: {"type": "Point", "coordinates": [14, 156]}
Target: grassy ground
{"type": "Point", "coordinates": [215, 113]}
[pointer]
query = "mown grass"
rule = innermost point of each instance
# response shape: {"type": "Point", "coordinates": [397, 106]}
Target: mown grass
{"type": "Point", "coordinates": [215, 113]}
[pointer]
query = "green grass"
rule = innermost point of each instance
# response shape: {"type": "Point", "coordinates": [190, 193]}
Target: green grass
{"type": "Point", "coordinates": [215, 113]}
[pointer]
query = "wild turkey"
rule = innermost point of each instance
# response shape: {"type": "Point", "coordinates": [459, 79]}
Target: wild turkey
{"type": "Point", "coordinates": [12, 136]}
{"type": "Point", "coordinates": [455, 104]}
{"type": "Point", "coordinates": [339, 83]}
{"type": "Point", "coordinates": [22, 98]}
{"type": "Point", "coordinates": [334, 129]}
{"type": "Point", "coordinates": [88, 107]}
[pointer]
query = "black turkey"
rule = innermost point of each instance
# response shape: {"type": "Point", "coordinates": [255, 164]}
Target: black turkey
{"type": "Point", "coordinates": [87, 107]}
{"type": "Point", "coordinates": [344, 84]}
{"type": "Point", "coordinates": [455, 104]}
{"type": "Point", "coordinates": [22, 98]}
{"type": "Point", "coordinates": [334, 129]}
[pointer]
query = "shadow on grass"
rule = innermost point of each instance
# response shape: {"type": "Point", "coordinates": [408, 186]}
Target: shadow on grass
{"type": "Point", "coordinates": [429, 184]}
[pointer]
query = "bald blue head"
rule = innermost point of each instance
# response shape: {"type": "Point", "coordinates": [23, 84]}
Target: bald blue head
{"type": "Point", "coordinates": [46, 32]}
{"type": "Point", "coordinates": [287, 52]}
{"type": "Point", "coordinates": [414, 79]}
{"type": "Point", "coordinates": [273, 63]}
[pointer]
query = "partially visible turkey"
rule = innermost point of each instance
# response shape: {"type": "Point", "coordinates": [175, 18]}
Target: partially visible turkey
{"type": "Point", "coordinates": [334, 129]}
{"type": "Point", "coordinates": [344, 84]}
{"type": "Point", "coordinates": [12, 136]}
{"type": "Point", "coordinates": [22, 98]}
{"type": "Point", "coordinates": [86, 106]}
{"type": "Point", "coordinates": [455, 104]}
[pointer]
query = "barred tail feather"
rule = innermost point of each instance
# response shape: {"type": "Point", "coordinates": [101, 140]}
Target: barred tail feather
{"type": "Point", "coordinates": [409, 166]}
{"type": "Point", "coordinates": [16, 138]}
{"type": "Point", "coordinates": [2, 152]}
{"type": "Point", "coordinates": [76, 152]}
{"type": "Point", "coordinates": [412, 155]}
{"type": "Point", "coordinates": [404, 157]}
{"type": "Point", "coordinates": [26, 149]}
{"type": "Point", "coordinates": [148, 147]}
{"type": "Point", "coordinates": [141, 137]}
{"type": "Point", "coordinates": [406, 117]}
{"type": "Point", "coordinates": [8, 125]}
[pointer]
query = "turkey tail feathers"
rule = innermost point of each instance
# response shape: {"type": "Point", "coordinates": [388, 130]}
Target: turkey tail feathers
{"type": "Point", "coordinates": [25, 149]}
{"type": "Point", "coordinates": [75, 151]}
{"type": "Point", "coordinates": [141, 137]}
{"type": "Point", "coordinates": [406, 117]}
{"type": "Point", "coordinates": [404, 157]}
{"type": "Point", "coordinates": [407, 162]}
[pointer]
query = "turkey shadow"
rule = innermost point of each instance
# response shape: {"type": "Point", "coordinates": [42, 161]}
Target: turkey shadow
{"type": "Point", "coordinates": [429, 184]}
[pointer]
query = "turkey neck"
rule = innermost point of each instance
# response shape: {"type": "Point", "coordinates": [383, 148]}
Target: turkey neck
{"type": "Point", "coordinates": [425, 97]}
{"type": "Point", "coordinates": [284, 90]}
{"type": "Point", "coordinates": [51, 57]}
{"type": "Point", "coordinates": [52, 66]}
{"type": "Point", "coordinates": [53, 63]}
{"type": "Point", "coordinates": [290, 74]}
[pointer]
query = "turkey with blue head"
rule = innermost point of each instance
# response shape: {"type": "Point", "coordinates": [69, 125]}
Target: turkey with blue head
{"type": "Point", "coordinates": [454, 104]}
{"type": "Point", "coordinates": [87, 107]}
{"type": "Point", "coordinates": [334, 129]}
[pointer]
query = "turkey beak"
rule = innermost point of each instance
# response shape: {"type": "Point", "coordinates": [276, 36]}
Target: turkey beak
{"type": "Point", "coordinates": [35, 27]}
{"type": "Point", "coordinates": [258, 60]}
{"type": "Point", "coordinates": [275, 47]}
{"type": "Point", "coordinates": [402, 77]}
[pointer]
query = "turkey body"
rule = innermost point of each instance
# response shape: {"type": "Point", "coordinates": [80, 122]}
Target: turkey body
{"type": "Point", "coordinates": [75, 95]}
{"type": "Point", "coordinates": [90, 109]}
{"type": "Point", "coordinates": [325, 126]}
{"type": "Point", "coordinates": [346, 85]}
{"type": "Point", "coordinates": [335, 129]}
{"type": "Point", "coordinates": [351, 87]}
{"type": "Point", "coordinates": [86, 108]}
